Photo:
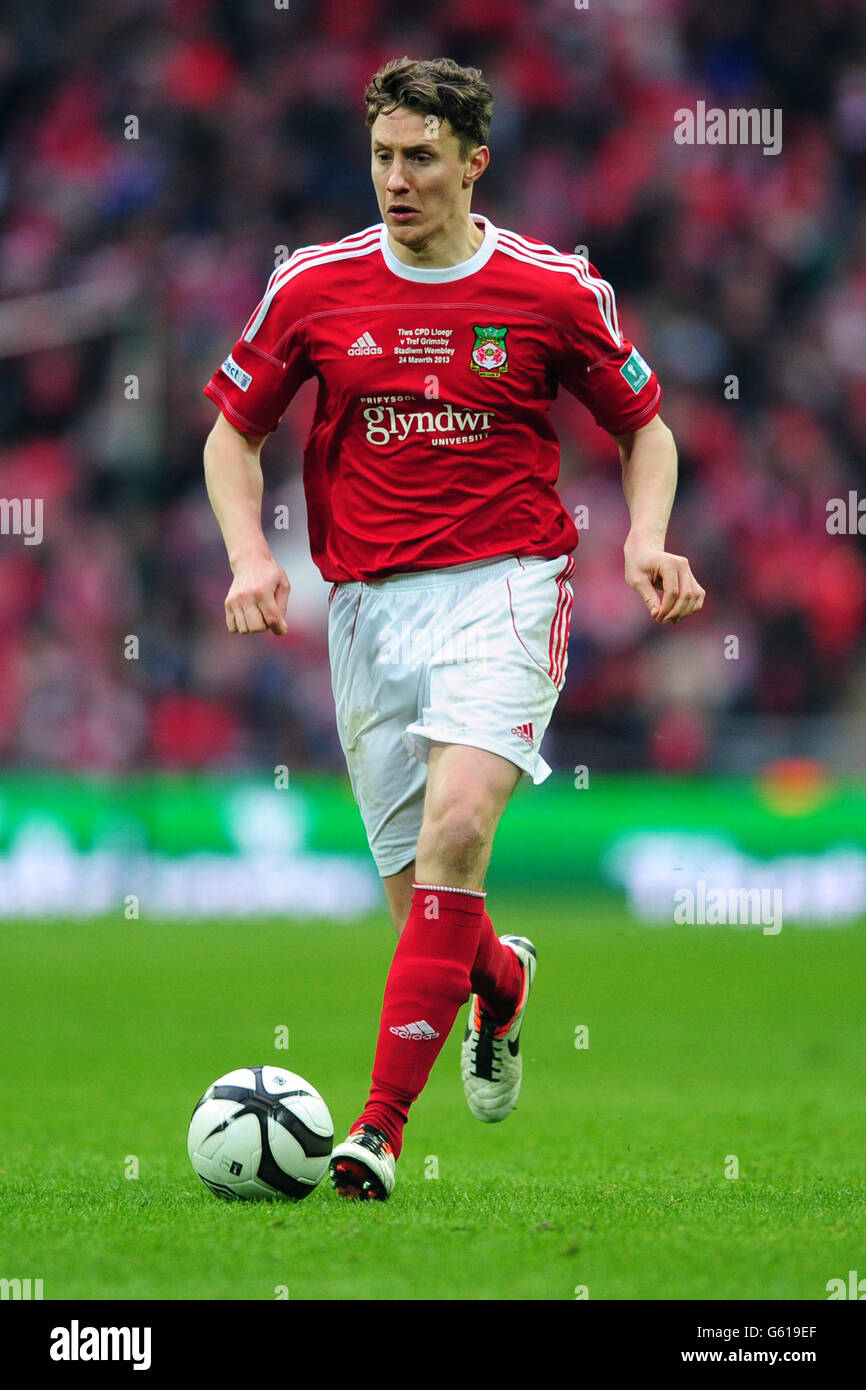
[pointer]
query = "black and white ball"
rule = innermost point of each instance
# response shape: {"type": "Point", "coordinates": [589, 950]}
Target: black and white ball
{"type": "Point", "coordinates": [261, 1133]}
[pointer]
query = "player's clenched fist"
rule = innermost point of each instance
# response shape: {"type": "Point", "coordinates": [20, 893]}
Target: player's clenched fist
{"type": "Point", "coordinates": [257, 599]}
{"type": "Point", "coordinates": [648, 569]}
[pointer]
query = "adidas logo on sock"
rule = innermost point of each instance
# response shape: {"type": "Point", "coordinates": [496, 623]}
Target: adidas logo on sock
{"type": "Point", "coordinates": [524, 731]}
{"type": "Point", "coordinates": [365, 346]}
{"type": "Point", "coordinates": [420, 1031]}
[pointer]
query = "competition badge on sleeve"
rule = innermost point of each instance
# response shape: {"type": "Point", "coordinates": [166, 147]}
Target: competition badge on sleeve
{"type": "Point", "coordinates": [490, 355]}
{"type": "Point", "coordinates": [636, 371]}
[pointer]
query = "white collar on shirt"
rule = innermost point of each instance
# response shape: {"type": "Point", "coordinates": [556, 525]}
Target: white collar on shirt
{"type": "Point", "coordinates": [438, 275]}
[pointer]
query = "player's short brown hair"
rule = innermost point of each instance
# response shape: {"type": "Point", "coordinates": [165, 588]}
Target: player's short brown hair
{"type": "Point", "coordinates": [436, 87]}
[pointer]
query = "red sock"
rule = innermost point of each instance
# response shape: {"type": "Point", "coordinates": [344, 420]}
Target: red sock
{"type": "Point", "coordinates": [497, 975]}
{"type": "Point", "coordinates": [427, 984]}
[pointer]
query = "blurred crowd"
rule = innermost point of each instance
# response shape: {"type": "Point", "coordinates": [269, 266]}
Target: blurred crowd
{"type": "Point", "coordinates": [129, 266]}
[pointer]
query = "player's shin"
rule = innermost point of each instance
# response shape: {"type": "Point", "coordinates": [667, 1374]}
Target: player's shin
{"type": "Point", "coordinates": [428, 982]}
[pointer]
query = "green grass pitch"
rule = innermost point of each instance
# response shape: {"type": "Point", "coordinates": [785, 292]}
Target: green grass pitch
{"type": "Point", "coordinates": [704, 1046]}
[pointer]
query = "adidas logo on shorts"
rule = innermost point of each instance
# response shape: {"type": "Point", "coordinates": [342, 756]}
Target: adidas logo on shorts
{"type": "Point", "coordinates": [524, 731]}
{"type": "Point", "coordinates": [420, 1031]}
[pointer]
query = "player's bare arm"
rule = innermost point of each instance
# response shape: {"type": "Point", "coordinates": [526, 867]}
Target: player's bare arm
{"type": "Point", "coordinates": [257, 599]}
{"type": "Point", "coordinates": [649, 478]}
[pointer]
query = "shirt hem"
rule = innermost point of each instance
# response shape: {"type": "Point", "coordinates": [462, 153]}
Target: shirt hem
{"type": "Point", "coordinates": [246, 426]}
{"type": "Point", "coordinates": [551, 552]}
{"type": "Point", "coordinates": [642, 419]}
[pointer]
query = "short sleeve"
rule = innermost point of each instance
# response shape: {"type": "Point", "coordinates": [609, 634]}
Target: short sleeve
{"type": "Point", "coordinates": [266, 366]}
{"type": "Point", "coordinates": [597, 363]}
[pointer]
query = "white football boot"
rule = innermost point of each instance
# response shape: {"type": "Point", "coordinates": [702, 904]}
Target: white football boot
{"type": "Point", "coordinates": [363, 1166]}
{"type": "Point", "coordinates": [490, 1060]}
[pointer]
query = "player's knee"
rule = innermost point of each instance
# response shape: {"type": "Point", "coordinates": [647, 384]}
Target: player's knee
{"type": "Point", "coordinates": [455, 838]}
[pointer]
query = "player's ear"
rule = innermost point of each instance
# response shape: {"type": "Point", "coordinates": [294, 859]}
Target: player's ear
{"type": "Point", "coordinates": [476, 164]}
{"type": "Point", "coordinates": [478, 160]}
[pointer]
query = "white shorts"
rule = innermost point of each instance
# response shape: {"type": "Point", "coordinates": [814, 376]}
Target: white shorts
{"type": "Point", "coordinates": [473, 654]}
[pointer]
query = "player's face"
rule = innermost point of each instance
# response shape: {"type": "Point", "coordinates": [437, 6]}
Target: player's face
{"type": "Point", "coordinates": [422, 182]}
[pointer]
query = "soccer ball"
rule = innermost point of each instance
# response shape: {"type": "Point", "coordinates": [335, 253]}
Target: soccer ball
{"type": "Point", "coordinates": [261, 1133]}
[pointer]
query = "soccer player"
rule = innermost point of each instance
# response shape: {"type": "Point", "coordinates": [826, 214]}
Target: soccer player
{"type": "Point", "coordinates": [438, 342]}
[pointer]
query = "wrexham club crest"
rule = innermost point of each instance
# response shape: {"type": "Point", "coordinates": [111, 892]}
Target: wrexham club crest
{"type": "Point", "coordinates": [490, 354]}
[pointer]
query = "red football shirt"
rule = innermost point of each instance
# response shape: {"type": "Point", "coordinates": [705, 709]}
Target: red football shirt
{"type": "Point", "coordinates": [432, 443]}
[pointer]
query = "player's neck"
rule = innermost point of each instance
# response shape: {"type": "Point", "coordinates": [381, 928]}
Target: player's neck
{"type": "Point", "coordinates": [450, 246]}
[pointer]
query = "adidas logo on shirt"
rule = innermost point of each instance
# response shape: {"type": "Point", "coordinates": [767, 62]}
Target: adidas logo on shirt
{"type": "Point", "coordinates": [365, 346]}
{"type": "Point", "coordinates": [420, 1031]}
{"type": "Point", "coordinates": [524, 731]}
